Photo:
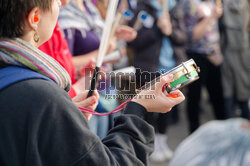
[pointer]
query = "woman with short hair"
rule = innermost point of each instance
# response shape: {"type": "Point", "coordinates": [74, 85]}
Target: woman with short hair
{"type": "Point", "coordinates": [39, 124]}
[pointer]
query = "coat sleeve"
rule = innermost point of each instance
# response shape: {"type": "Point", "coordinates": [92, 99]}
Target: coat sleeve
{"type": "Point", "coordinates": [64, 137]}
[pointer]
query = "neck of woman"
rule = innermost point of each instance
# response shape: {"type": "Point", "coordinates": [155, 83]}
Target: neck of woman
{"type": "Point", "coordinates": [28, 37]}
{"type": "Point", "coordinates": [80, 4]}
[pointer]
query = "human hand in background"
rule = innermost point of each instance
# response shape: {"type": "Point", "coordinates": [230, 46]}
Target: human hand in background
{"type": "Point", "coordinates": [217, 58]}
{"type": "Point", "coordinates": [160, 102]}
{"type": "Point", "coordinates": [112, 45]}
{"type": "Point", "coordinates": [125, 33]}
{"type": "Point", "coordinates": [217, 11]}
{"type": "Point", "coordinates": [164, 24]}
{"type": "Point", "coordinates": [90, 103]}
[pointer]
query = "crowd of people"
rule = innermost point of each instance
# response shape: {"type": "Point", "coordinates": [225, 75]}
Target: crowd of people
{"type": "Point", "coordinates": [208, 32]}
{"type": "Point", "coordinates": [48, 52]}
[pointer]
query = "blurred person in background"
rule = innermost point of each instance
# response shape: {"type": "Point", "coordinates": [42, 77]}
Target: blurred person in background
{"type": "Point", "coordinates": [153, 52]}
{"type": "Point", "coordinates": [147, 45]}
{"type": "Point", "coordinates": [57, 48]}
{"type": "Point", "coordinates": [216, 143]}
{"type": "Point", "coordinates": [121, 45]}
{"type": "Point", "coordinates": [102, 6]}
{"type": "Point", "coordinates": [201, 21]}
{"type": "Point", "coordinates": [179, 40]}
{"type": "Point", "coordinates": [166, 62]}
{"type": "Point", "coordinates": [236, 50]}
{"type": "Point", "coordinates": [83, 26]}
{"type": "Point", "coordinates": [179, 37]}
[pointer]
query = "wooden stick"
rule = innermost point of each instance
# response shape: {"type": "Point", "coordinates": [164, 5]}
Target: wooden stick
{"type": "Point", "coordinates": [116, 23]}
{"type": "Point", "coordinates": [139, 21]}
{"type": "Point", "coordinates": [164, 4]}
{"type": "Point", "coordinates": [218, 2]}
{"type": "Point", "coordinates": [138, 24]}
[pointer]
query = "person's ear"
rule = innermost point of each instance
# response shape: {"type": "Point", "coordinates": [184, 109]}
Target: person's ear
{"type": "Point", "coordinates": [33, 21]}
{"type": "Point", "coordinates": [34, 18]}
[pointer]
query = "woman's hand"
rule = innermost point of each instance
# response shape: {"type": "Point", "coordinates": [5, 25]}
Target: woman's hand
{"type": "Point", "coordinates": [159, 102]}
{"type": "Point", "coordinates": [80, 85]}
{"type": "Point", "coordinates": [91, 103]}
{"type": "Point", "coordinates": [112, 45]}
{"type": "Point", "coordinates": [164, 24]}
{"type": "Point", "coordinates": [125, 33]}
{"type": "Point", "coordinates": [217, 12]}
{"type": "Point", "coordinates": [85, 75]}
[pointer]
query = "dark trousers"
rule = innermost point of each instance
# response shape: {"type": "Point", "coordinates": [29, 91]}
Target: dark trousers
{"type": "Point", "coordinates": [230, 104]}
{"type": "Point", "coordinates": [210, 76]}
{"type": "Point", "coordinates": [160, 121]}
